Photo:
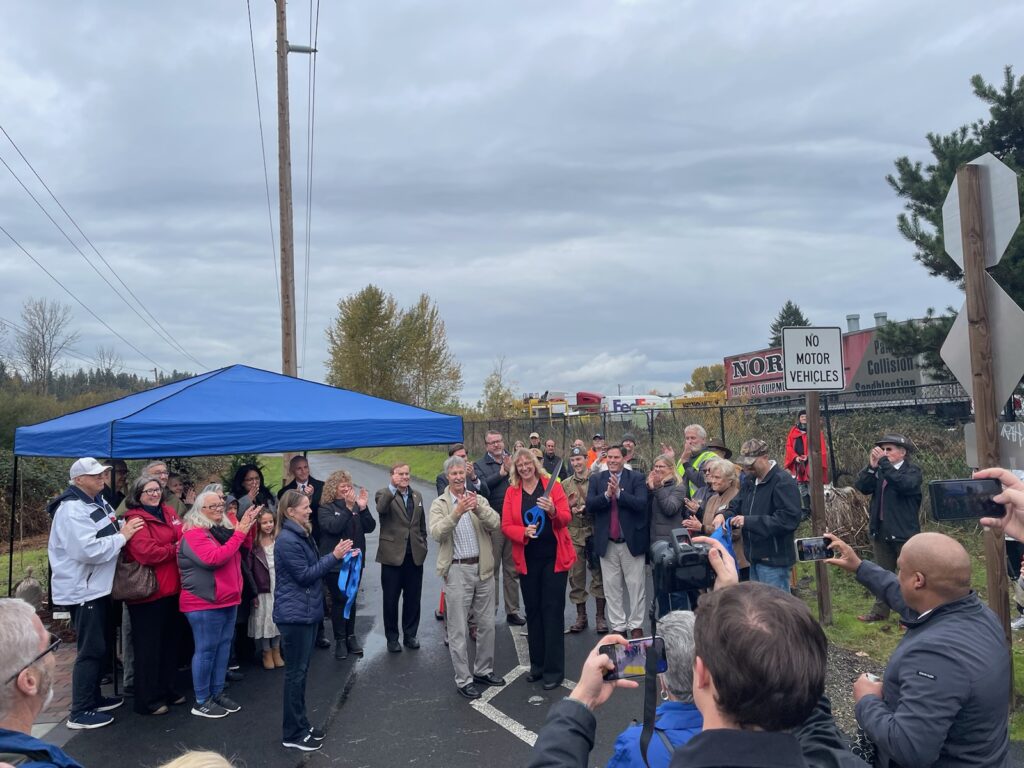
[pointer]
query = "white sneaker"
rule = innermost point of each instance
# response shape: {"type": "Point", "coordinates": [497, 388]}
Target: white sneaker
{"type": "Point", "coordinates": [1017, 623]}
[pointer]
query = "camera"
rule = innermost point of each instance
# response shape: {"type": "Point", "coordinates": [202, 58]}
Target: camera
{"type": "Point", "coordinates": [680, 565]}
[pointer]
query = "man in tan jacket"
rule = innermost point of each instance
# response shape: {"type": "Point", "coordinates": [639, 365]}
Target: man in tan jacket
{"type": "Point", "coordinates": [461, 522]}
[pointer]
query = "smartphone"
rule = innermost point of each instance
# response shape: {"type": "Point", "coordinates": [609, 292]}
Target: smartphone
{"type": "Point", "coordinates": [965, 499]}
{"type": "Point", "coordinates": [813, 548]}
{"type": "Point", "coordinates": [631, 660]}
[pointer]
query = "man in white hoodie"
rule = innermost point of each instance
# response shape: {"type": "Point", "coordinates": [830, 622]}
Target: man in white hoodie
{"type": "Point", "coordinates": [85, 539]}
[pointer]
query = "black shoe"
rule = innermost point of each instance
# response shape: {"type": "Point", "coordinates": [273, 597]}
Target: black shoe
{"type": "Point", "coordinates": [469, 691]}
{"type": "Point", "coordinates": [550, 685]}
{"type": "Point", "coordinates": [394, 646]}
{"type": "Point", "coordinates": [533, 677]}
{"type": "Point", "coordinates": [412, 643]}
{"type": "Point", "coordinates": [340, 648]}
{"type": "Point", "coordinates": [516, 619]}
{"type": "Point", "coordinates": [490, 679]}
{"type": "Point", "coordinates": [233, 676]}
{"type": "Point", "coordinates": [306, 743]}
{"type": "Point", "coordinates": [323, 642]}
{"type": "Point", "coordinates": [353, 645]}
{"type": "Point", "coordinates": [316, 733]}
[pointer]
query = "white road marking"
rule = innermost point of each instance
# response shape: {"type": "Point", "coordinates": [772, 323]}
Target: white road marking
{"type": "Point", "coordinates": [512, 726]}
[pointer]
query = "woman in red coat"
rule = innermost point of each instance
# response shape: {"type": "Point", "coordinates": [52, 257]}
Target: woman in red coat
{"type": "Point", "coordinates": [798, 456]}
{"type": "Point", "coordinates": [155, 619]}
{"type": "Point", "coordinates": [543, 554]}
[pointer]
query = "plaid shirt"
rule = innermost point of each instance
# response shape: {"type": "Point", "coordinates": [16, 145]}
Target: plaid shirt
{"type": "Point", "coordinates": [464, 543]}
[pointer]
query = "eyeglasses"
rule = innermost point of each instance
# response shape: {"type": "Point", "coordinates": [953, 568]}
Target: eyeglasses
{"type": "Point", "coordinates": [53, 646]}
{"type": "Point", "coordinates": [495, 442]}
{"type": "Point", "coordinates": [152, 490]}
{"type": "Point", "coordinates": [214, 506]}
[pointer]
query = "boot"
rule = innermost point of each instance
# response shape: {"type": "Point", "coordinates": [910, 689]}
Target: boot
{"type": "Point", "coordinates": [268, 660]}
{"type": "Point", "coordinates": [600, 623]}
{"type": "Point", "coordinates": [581, 619]}
{"type": "Point", "coordinates": [340, 648]}
{"type": "Point", "coordinates": [353, 645]}
{"type": "Point", "coordinates": [278, 658]}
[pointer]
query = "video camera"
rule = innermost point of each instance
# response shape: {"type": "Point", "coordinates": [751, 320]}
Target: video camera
{"type": "Point", "coordinates": [680, 565]}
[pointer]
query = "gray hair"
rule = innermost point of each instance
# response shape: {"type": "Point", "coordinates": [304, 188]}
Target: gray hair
{"type": "Point", "coordinates": [213, 488]}
{"type": "Point", "coordinates": [19, 640]}
{"type": "Point", "coordinates": [454, 461]}
{"type": "Point", "coordinates": [677, 630]}
{"type": "Point", "coordinates": [195, 518]}
{"type": "Point", "coordinates": [701, 432]}
{"type": "Point", "coordinates": [724, 467]}
{"type": "Point", "coordinates": [145, 469]}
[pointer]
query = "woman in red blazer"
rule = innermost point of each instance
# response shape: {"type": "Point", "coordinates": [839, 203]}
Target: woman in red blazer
{"type": "Point", "coordinates": [156, 620]}
{"type": "Point", "coordinates": [543, 554]}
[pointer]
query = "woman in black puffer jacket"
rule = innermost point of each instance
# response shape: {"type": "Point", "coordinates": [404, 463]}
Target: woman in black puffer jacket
{"type": "Point", "coordinates": [298, 608]}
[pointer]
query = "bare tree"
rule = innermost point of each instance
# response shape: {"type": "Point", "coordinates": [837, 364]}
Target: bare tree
{"type": "Point", "coordinates": [108, 362]}
{"type": "Point", "coordinates": [41, 340]}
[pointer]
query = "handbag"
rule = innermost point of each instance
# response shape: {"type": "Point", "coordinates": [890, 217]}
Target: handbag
{"type": "Point", "coordinates": [132, 580]}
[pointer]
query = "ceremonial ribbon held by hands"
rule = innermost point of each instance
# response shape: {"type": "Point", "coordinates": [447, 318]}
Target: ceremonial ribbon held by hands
{"type": "Point", "coordinates": [348, 578]}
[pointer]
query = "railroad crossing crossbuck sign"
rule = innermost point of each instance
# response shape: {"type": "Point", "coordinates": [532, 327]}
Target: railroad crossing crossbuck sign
{"type": "Point", "coordinates": [812, 359]}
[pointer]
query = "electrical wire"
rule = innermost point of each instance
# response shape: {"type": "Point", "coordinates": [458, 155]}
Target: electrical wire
{"type": "Point", "coordinates": [314, 24]}
{"type": "Point", "coordinates": [84, 306]}
{"type": "Point", "coordinates": [70, 353]}
{"type": "Point", "coordinates": [92, 265]}
{"type": "Point", "coordinates": [175, 344]}
{"type": "Point", "coordinates": [263, 149]}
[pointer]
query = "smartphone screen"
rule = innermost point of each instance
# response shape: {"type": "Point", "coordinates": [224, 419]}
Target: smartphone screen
{"type": "Point", "coordinates": [812, 548]}
{"type": "Point", "coordinates": [631, 660]}
{"type": "Point", "coordinates": [965, 499]}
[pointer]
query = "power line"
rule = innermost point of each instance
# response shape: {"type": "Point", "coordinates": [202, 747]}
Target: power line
{"type": "Point", "coordinates": [178, 347]}
{"type": "Point", "coordinates": [80, 302]}
{"type": "Point", "coordinates": [89, 262]}
{"type": "Point", "coordinates": [263, 149]}
{"type": "Point", "coordinates": [311, 122]}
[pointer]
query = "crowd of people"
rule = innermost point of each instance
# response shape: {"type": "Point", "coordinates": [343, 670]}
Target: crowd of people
{"type": "Point", "coordinates": [202, 569]}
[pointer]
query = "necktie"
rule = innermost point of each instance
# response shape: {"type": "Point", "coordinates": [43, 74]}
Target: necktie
{"type": "Point", "coordinates": [409, 506]}
{"type": "Point", "coordinates": [615, 528]}
{"type": "Point", "coordinates": [881, 500]}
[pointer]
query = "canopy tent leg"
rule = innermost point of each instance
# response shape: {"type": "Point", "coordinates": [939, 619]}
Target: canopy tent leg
{"type": "Point", "coordinates": [10, 542]}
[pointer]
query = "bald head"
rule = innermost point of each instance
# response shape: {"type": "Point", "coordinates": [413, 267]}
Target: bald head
{"type": "Point", "coordinates": [942, 562]}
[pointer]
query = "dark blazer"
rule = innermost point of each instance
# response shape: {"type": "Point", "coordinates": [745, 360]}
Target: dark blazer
{"type": "Point", "coordinates": [314, 502]}
{"type": "Point", "coordinates": [632, 511]}
{"type": "Point", "coordinates": [489, 470]}
{"type": "Point", "coordinates": [338, 522]}
{"type": "Point", "coordinates": [397, 529]}
{"type": "Point", "coordinates": [902, 497]}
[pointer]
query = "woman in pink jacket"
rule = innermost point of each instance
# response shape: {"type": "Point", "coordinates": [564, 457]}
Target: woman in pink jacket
{"type": "Point", "coordinates": [211, 589]}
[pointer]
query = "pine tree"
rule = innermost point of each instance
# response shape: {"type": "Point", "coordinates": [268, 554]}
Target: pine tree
{"type": "Point", "coordinates": [789, 315]}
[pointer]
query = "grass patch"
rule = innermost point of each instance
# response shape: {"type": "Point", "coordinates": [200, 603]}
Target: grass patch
{"type": "Point", "coordinates": [273, 470]}
{"type": "Point", "coordinates": [36, 558]}
{"type": "Point", "coordinates": [424, 463]}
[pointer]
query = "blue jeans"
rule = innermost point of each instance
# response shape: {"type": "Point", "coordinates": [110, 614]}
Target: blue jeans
{"type": "Point", "coordinates": [772, 575]}
{"type": "Point", "coordinates": [297, 641]}
{"type": "Point", "coordinates": [672, 601]}
{"type": "Point", "coordinates": [212, 630]}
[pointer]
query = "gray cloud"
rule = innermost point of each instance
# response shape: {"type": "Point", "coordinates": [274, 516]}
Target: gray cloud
{"type": "Point", "coordinates": [646, 181]}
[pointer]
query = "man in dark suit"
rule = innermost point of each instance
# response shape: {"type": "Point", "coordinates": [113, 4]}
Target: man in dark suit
{"type": "Point", "coordinates": [617, 500]}
{"type": "Point", "coordinates": [298, 468]}
{"type": "Point", "coordinates": [401, 550]}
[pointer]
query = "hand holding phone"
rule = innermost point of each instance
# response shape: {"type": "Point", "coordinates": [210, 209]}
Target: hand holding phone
{"type": "Point", "coordinates": [965, 499]}
{"type": "Point", "coordinates": [631, 660]}
{"type": "Point", "coordinates": [813, 548]}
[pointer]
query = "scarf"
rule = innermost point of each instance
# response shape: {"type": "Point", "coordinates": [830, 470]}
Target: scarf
{"type": "Point", "coordinates": [349, 577]}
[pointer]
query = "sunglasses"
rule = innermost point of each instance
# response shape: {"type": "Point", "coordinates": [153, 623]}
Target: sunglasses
{"type": "Point", "coordinates": [53, 646]}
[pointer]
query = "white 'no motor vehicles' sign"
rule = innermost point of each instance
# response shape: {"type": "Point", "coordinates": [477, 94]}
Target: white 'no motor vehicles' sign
{"type": "Point", "coordinates": [812, 358]}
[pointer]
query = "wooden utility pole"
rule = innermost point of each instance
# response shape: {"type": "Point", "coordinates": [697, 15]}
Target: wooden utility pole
{"type": "Point", "coordinates": [284, 156]}
{"type": "Point", "coordinates": [813, 406]}
{"type": "Point", "coordinates": [979, 334]}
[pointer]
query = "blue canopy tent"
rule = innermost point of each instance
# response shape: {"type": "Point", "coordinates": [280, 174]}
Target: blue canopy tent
{"type": "Point", "coordinates": [232, 410]}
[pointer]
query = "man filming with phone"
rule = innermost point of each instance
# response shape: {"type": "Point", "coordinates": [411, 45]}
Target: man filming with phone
{"type": "Point", "coordinates": [894, 484]}
{"type": "Point", "coordinates": [945, 695]}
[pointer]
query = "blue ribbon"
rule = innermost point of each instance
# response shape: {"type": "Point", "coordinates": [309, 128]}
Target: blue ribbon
{"type": "Point", "coordinates": [348, 578]}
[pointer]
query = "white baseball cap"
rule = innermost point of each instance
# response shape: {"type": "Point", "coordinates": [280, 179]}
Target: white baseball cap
{"type": "Point", "coordinates": [87, 466]}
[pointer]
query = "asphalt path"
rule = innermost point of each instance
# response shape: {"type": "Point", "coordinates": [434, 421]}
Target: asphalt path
{"type": "Point", "coordinates": [404, 709]}
{"type": "Point", "coordinates": [381, 710]}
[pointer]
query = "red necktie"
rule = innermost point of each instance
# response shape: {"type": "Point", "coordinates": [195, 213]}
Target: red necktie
{"type": "Point", "coordinates": [881, 500]}
{"type": "Point", "coordinates": [615, 528]}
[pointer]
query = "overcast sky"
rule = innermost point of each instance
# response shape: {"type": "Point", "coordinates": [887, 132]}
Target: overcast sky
{"type": "Point", "coordinates": [606, 193]}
